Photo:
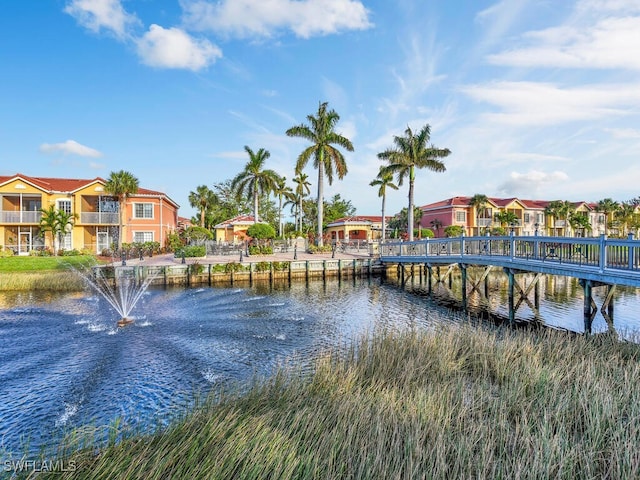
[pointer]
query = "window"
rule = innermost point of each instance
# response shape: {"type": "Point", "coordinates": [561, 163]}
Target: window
{"type": "Point", "coordinates": [461, 216]}
{"type": "Point", "coordinates": [600, 219]}
{"type": "Point", "coordinates": [143, 210]}
{"type": "Point", "coordinates": [65, 206]}
{"type": "Point", "coordinates": [141, 237]}
{"type": "Point", "coordinates": [539, 218]}
{"type": "Point", "coordinates": [527, 218]}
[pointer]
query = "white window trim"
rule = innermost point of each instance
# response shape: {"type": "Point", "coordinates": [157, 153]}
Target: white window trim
{"type": "Point", "coordinates": [143, 232]}
{"type": "Point", "coordinates": [135, 204]}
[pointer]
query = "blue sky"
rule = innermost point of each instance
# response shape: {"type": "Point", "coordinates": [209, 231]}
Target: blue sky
{"type": "Point", "coordinates": [535, 98]}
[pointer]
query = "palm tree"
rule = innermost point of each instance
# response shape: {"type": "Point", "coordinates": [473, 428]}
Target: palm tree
{"type": "Point", "coordinates": [283, 192]}
{"type": "Point", "coordinates": [505, 218]}
{"type": "Point", "coordinates": [121, 184]}
{"type": "Point", "coordinates": [384, 180]}
{"type": "Point", "coordinates": [57, 222]}
{"type": "Point", "coordinates": [607, 206]}
{"type": "Point", "coordinates": [479, 202]}
{"type": "Point", "coordinates": [436, 224]}
{"type": "Point", "coordinates": [302, 189]}
{"type": "Point", "coordinates": [326, 158]}
{"type": "Point", "coordinates": [253, 181]}
{"type": "Point", "coordinates": [560, 210]}
{"type": "Point", "coordinates": [413, 151]}
{"type": "Point", "coordinates": [624, 216]}
{"type": "Point", "coordinates": [202, 199]}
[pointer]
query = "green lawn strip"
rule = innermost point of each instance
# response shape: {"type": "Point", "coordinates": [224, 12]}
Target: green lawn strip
{"type": "Point", "coordinates": [19, 264]}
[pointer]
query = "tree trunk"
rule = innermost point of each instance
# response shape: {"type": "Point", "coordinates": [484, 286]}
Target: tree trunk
{"type": "Point", "coordinates": [255, 205]}
{"type": "Point", "coordinates": [319, 241]}
{"type": "Point", "coordinates": [121, 232]}
{"type": "Point", "coordinates": [383, 222]}
{"type": "Point", "coordinates": [410, 212]}
{"type": "Point", "coordinates": [280, 216]}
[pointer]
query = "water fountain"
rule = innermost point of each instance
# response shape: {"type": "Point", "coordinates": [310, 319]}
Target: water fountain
{"type": "Point", "coordinates": [122, 291]}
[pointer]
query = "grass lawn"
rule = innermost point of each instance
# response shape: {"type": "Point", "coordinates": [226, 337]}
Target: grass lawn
{"type": "Point", "coordinates": [19, 264]}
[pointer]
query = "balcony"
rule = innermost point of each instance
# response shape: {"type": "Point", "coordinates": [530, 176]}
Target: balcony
{"type": "Point", "coordinates": [484, 222]}
{"type": "Point", "coordinates": [100, 218]}
{"type": "Point", "coordinates": [20, 216]}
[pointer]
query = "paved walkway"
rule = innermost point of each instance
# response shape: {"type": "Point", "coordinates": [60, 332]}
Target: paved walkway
{"type": "Point", "coordinates": [169, 259]}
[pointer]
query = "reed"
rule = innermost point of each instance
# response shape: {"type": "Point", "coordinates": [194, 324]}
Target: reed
{"type": "Point", "coordinates": [454, 402]}
{"type": "Point", "coordinates": [44, 281]}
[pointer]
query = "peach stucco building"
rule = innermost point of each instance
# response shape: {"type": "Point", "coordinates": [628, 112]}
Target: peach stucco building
{"type": "Point", "coordinates": [149, 215]}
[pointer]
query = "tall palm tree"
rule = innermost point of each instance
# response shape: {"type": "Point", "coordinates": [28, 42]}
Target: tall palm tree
{"type": "Point", "coordinates": [284, 193]}
{"type": "Point", "coordinates": [384, 180]}
{"type": "Point", "coordinates": [607, 206]}
{"type": "Point", "coordinates": [560, 210]}
{"type": "Point", "coordinates": [57, 222]}
{"type": "Point", "coordinates": [121, 184]}
{"type": "Point", "coordinates": [624, 216]}
{"type": "Point", "coordinates": [253, 180]}
{"type": "Point", "coordinates": [505, 218]}
{"type": "Point", "coordinates": [413, 151]}
{"type": "Point", "coordinates": [326, 157]}
{"type": "Point", "coordinates": [202, 199]}
{"type": "Point", "coordinates": [479, 203]}
{"type": "Point", "coordinates": [302, 189]}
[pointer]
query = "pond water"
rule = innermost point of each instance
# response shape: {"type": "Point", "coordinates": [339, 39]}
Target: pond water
{"type": "Point", "coordinates": [64, 364]}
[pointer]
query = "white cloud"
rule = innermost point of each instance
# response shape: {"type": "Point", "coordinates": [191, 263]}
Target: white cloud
{"type": "Point", "coordinates": [602, 34]}
{"type": "Point", "coordinates": [70, 147]}
{"type": "Point", "coordinates": [265, 18]}
{"type": "Point", "coordinates": [530, 182]}
{"type": "Point", "coordinates": [174, 48]}
{"type": "Point", "coordinates": [611, 43]}
{"type": "Point", "coordinates": [96, 15]}
{"type": "Point", "coordinates": [623, 132]}
{"type": "Point", "coordinates": [531, 103]}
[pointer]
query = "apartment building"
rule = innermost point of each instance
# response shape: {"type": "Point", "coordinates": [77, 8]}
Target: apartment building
{"type": "Point", "coordinates": [529, 217]}
{"type": "Point", "coordinates": [148, 216]}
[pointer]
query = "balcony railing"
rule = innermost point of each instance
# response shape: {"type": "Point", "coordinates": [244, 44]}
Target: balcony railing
{"type": "Point", "coordinates": [20, 216]}
{"type": "Point", "coordinates": [100, 218]}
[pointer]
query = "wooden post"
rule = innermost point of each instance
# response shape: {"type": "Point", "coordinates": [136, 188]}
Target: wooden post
{"type": "Point", "coordinates": [512, 311]}
{"type": "Point", "coordinates": [463, 272]}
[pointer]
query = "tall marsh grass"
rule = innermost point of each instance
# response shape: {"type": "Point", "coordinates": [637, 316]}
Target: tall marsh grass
{"type": "Point", "coordinates": [456, 402]}
{"type": "Point", "coordinates": [46, 281]}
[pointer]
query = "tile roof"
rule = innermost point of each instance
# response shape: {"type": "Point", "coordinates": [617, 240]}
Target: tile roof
{"type": "Point", "coordinates": [238, 220]}
{"type": "Point", "coordinates": [50, 184]}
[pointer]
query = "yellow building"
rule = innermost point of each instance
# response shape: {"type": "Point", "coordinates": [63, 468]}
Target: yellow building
{"type": "Point", "coordinates": [358, 227]}
{"type": "Point", "coordinates": [233, 230]}
{"type": "Point", "coordinates": [149, 215]}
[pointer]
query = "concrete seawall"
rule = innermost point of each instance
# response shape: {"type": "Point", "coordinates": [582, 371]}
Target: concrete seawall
{"type": "Point", "coordinates": [196, 272]}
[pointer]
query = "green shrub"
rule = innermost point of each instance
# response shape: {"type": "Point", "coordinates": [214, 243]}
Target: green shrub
{"type": "Point", "coordinates": [173, 242]}
{"type": "Point", "coordinates": [191, 251]}
{"type": "Point", "coordinates": [317, 249]}
{"type": "Point", "coordinates": [198, 233]}
{"type": "Point", "coordinates": [6, 252]}
{"type": "Point", "coordinates": [280, 266]}
{"type": "Point", "coordinates": [423, 233]}
{"type": "Point", "coordinates": [263, 266]}
{"type": "Point", "coordinates": [453, 231]}
{"type": "Point", "coordinates": [261, 231]}
{"type": "Point", "coordinates": [233, 267]}
{"type": "Point", "coordinates": [260, 250]}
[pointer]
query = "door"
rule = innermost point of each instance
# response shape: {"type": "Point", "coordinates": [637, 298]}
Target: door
{"type": "Point", "coordinates": [24, 243]}
{"type": "Point", "coordinates": [103, 241]}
